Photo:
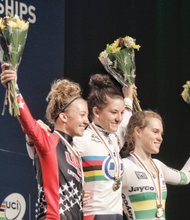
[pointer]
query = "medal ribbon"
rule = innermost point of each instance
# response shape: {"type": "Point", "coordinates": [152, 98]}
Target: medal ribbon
{"type": "Point", "coordinates": [116, 161]}
{"type": "Point", "coordinates": [74, 153]}
{"type": "Point", "coordinates": [158, 189]}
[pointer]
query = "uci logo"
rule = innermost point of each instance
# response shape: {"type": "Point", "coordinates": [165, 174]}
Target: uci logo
{"type": "Point", "coordinates": [14, 207]}
{"type": "Point", "coordinates": [109, 167]}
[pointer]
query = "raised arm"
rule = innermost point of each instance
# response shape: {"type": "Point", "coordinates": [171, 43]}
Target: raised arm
{"type": "Point", "coordinates": [176, 177]}
{"type": "Point", "coordinates": [28, 123]}
{"type": "Point", "coordinates": [128, 93]}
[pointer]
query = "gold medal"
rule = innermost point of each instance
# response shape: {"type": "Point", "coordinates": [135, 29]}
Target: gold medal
{"type": "Point", "coordinates": [117, 183]}
{"type": "Point", "coordinates": [159, 212]}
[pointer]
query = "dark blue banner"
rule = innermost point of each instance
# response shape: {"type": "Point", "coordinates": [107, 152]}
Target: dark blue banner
{"type": "Point", "coordinates": [42, 62]}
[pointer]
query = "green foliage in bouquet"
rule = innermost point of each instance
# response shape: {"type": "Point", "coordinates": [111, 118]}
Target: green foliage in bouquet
{"type": "Point", "coordinates": [13, 34]}
{"type": "Point", "coordinates": [186, 92]}
{"type": "Point", "coordinates": [119, 60]}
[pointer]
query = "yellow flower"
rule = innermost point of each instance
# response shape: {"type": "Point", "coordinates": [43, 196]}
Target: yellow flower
{"type": "Point", "coordinates": [2, 26]}
{"type": "Point", "coordinates": [21, 24]}
{"type": "Point", "coordinates": [13, 22]}
{"type": "Point", "coordinates": [114, 50]}
{"type": "Point", "coordinates": [186, 92]}
{"type": "Point", "coordinates": [114, 47]}
{"type": "Point", "coordinates": [187, 85]}
{"type": "Point", "coordinates": [130, 42]}
{"type": "Point", "coordinates": [135, 46]}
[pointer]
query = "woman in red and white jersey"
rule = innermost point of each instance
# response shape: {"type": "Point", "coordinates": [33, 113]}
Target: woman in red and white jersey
{"type": "Point", "coordinates": [59, 168]}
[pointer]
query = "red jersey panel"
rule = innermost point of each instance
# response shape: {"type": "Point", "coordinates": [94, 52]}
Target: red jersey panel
{"type": "Point", "coordinates": [58, 171]}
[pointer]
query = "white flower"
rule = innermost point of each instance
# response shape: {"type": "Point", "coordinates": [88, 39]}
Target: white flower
{"type": "Point", "coordinates": [105, 60]}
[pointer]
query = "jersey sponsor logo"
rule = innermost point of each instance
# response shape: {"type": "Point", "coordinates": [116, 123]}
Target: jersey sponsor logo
{"type": "Point", "coordinates": [128, 207]}
{"type": "Point", "coordinates": [74, 175]}
{"type": "Point", "coordinates": [13, 207]}
{"type": "Point", "coordinates": [141, 188]}
{"type": "Point", "coordinates": [109, 167]}
{"type": "Point", "coordinates": [95, 138]}
{"type": "Point", "coordinates": [73, 161]}
{"type": "Point", "coordinates": [141, 175]}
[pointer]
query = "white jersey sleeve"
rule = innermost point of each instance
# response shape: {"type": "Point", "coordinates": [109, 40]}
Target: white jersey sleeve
{"type": "Point", "coordinates": [123, 125]}
{"type": "Point", "coordinates": [176, 177]}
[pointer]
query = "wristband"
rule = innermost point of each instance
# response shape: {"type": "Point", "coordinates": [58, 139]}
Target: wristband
{"type": "Point", "coordinates": [30, 143]}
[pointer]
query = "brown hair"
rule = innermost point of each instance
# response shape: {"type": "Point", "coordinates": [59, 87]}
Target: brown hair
{"type": "Point", "coordinates": [62, 94]}
{"type": "Point", "coordinates": [101, 86]}
{"type": "Point", "coordinates": [139, 119]}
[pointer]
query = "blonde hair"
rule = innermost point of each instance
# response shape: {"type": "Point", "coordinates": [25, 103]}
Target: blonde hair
{"type": "Point", "coordinates": [62, 94]}
{"type": "Point", "coordinates": [139, 119]}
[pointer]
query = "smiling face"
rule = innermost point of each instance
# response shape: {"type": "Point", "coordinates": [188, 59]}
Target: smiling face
{"type": "Point", "coordinates": [75, 118]}
{"type": "Point", "coordinates": [110, 116]}
{"type": "Point", "coordinates": [149, 138]}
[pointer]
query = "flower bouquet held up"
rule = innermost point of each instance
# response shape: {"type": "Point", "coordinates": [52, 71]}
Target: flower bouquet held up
{"type": "Point", "coordinates": [119, 60]}
{"type": "Point", "coordinates": [186, 92]}
{"type": "Point", "coordinates": [13, 34]}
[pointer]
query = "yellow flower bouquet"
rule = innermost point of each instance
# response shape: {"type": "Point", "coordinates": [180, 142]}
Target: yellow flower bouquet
{"type": "Point", "coordinates": [186, 92]}
{"type": "Point", "coordinates": [119, 60]}
{"type": "Point", "coordinates": [13, 34]}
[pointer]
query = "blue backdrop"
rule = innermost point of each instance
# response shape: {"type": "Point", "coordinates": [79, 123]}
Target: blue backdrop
{"type": "Point", "coordinates": [67, 36]}
{"type": "Point", "coordinates": [42, 62]}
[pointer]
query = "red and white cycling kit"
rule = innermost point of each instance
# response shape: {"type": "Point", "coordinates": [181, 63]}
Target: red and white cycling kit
{"type": "Point", "coordinates": [58, 171]}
